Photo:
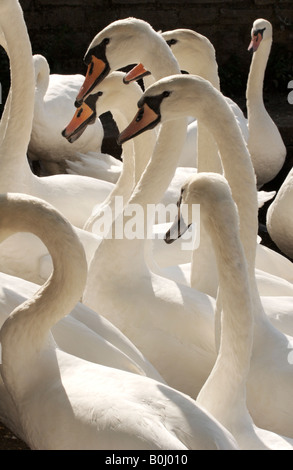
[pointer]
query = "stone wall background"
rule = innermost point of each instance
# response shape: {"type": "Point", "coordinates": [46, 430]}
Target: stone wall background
{"type": "Point", "coordinates": [62, 29]}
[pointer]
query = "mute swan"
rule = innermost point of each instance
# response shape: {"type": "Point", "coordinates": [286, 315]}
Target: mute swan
{"type": "Point", "coordinates": [54, 95]}
{"type": "Point", "coordinates": [271, 374]}
{"type": "Point", "coordinates": [265, 143]}
{"type": "Point", "coordinates": [112, 95]}
{"type": "Point", "coordinates": [204, 277]}
{"type": "Point", "coordinates": [64, 402]}
{"type": "Point", "coordinates": [279, 217]}
{"type": "Point", "coordinates": [161, 312]}
{"type": "Point", "coordinates": [73, 195]}
{"type": "Point", "coordinates": [196, 54]}
{"type": "Point", "coordinates": [228, 403]}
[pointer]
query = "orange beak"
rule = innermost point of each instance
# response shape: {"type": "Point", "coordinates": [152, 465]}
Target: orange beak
{"type": "Point", "coordinates": [135, 74]}
{"type": "Point", "coordinates": [255, 42]}
{"type": "Point", "coordinates": [95, 72]}
{"type": "Point", "coordinates": [83, 116]}
{"type": "Point", "coordinates": [145, 119]}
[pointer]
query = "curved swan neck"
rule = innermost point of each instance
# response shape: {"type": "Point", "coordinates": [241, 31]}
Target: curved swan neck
{"type": "Point", "coordinates": [42, 75]}
{"type": "Point", "coordinates": [254, 91]}
{"type": "Point", "coordinates": [18, 132]}
{"type": "Point", "coordinates": [28, 327]}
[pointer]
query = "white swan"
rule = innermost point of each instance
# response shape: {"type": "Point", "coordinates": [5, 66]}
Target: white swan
{"type": "Point", "coordinates": [83, 332]}
{"type": "Point", "coordinates": [271, 374]}
{"type": "Point", "coordinates": [268, 283]}
{"type": "Point", "coordinates": [196, 55]}
{"type": "Point", "coordinates": [74, 196]}
{"type": "Point", "coordinates": [279, 218]}
{"type": "Point", "coordinates": [160, 311]}
{"type": "Point", "coordinates": [265, 143]}
{"type": "Point", "coordinates": [54, 97]}
{"type": "Point", "coordinates": [225, 402]}
{"type": "Point", "coordinates": [112, 94]}
{"type": "Point", "coordinates": [66, 403]}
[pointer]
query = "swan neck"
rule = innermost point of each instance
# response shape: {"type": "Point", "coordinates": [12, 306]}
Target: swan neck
{"type": "Point", "coordinates": [208, 158]}
{"type": "Point", "coordinates": [28, 327]}
{"type": "Point", "coordinates": [17, 135]}
{"type": "Point", "coordinates": [238, 170]}
{"type": "Point", "coordinates": [151, 186]}
{"type": "Point", "coordinates": [254, 91]}
{"type": "Point", "coordinates": [42, 76]}
{"type": "Point", "coordinates": [227, 380]}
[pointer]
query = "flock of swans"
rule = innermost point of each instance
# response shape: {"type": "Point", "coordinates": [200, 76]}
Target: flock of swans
{"type": "Point", "coordinates": [137, 343]}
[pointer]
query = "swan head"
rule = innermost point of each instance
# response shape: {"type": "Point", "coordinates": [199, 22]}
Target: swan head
{"type": "Point", "coordinates": [83, 117]}
{"type": "Point", "coordinates": [191, 49]}
{"type": "Point", "coordinates": [194, 53]}
{"type": "Point", "coordinates": [205, 190]}
{"type": "Point", "coordinates": [160, 103]}
{"type": "Point", "coordinates": [262, 30]}
{"type": "Point", "coordinates": [110, 92]}
{"type": "Point", "coordinates": [121, 43]}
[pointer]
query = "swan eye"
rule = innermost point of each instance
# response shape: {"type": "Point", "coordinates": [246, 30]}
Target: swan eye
{"type": "Point", "coordinates": [79, 113]}
{"type": "Point", "coordinates": [166, 94]}
{"type": "Point", "coordinates": [139, 115]}
{"type": "Point", "coordinates": [106, 41]}
{"type": "Point", "coordinates": [91, 68]}
{"type": "Point", "coordinates": [100, 93]}
{"type": "Point", "coordinates": [171, 42]}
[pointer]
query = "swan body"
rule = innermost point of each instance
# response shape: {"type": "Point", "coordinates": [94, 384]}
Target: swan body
{"type": "Point", "coordinates": [228, 404]}
{"type": "Point", "coordinates": [96, 165]}
{"type": "Point", "coordinates": [54, 98]}
{"type": "Point", "coordinates": [83, 332]}
{"type": "Point", "coordinates": [73, 195]}
{"type": "Point", "coordinates": [265, 143]}
{"type": "Point", "coordinates": [24, 255]}
{"type": "Point", "coordinates": [81, 401]}
{"type": "Point", "coordinates": [279, 219]}
{"type": "Point", "coordinates": [271, 373]}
